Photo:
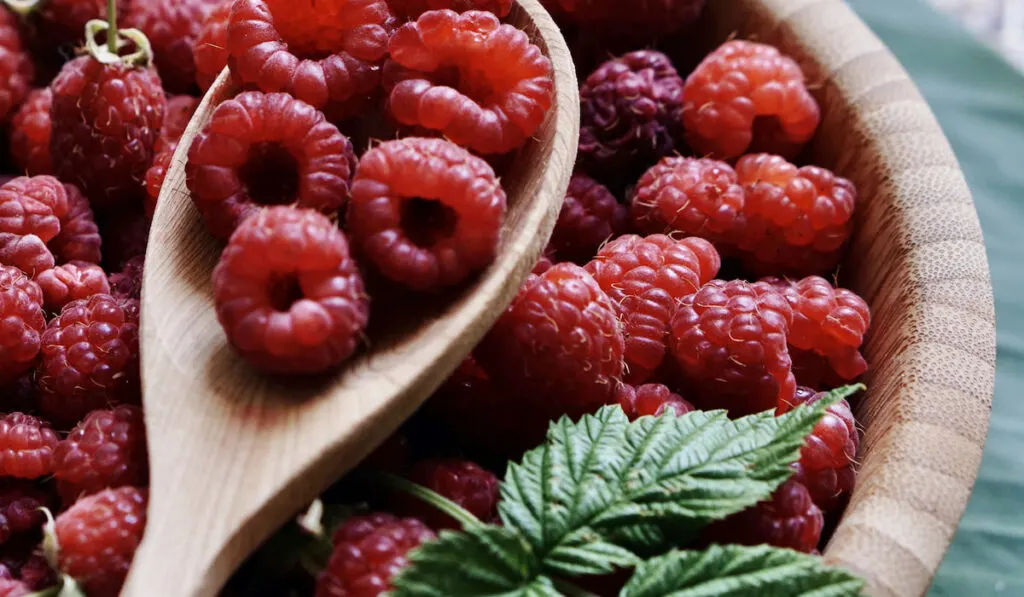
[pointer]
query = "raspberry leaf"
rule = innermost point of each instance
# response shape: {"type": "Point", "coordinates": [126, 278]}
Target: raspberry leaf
{"type": "Point", "coordinates": [740, 571]}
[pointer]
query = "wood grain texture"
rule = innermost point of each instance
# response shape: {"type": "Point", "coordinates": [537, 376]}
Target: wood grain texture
{"type": "Point", "coordinates": [918, 258]}
{"type": "Point", "coordinates": [233, 454]}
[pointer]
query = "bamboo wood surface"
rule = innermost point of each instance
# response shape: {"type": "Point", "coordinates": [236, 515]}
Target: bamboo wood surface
{"type": "Point", "coordinates": [232, 453]}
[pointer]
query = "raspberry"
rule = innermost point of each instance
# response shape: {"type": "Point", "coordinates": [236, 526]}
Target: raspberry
{"type": "Point", "coordinates": [107, 449]}
{"type": "Point", "coordinates": [559, 345]}
{"type": "Point", "coordinates": [16, 68]}
{"type": "Point", "coordinates": [125, 236]}
{"type": "Point", "coordinates": [652, 399]}
{"type": "Point", "coordinates": [325, 53]}
{"type": "Point", "coordinates": [71, 282]}
{"type": "Point", "coordinates": [798, 219]}
{"type": "Point", "coordinates": [639, 21]}
{"type": "Point", "coordinates": [788, 519]}
{"type": "Point", "coordinates": [106, 119]}
{"type": "Point", "coordinates": [481, 84]}
{"type": "Point", "coordinates": [33, 206]}
{"type": "Point", "coordinates": [98, 537]}
{"type": "Point", "coordinates": [21, 323]}
{"type": "Point", "coordinates": [27, 446]}
{"type": "Point", "coordinates": [414, 9]}
{"type": "Point", "coordinates": [172, 26]}
{"type": "Point", "coordinates": [210, 51]}
{"type": "Point", "coordinates": [20, 508]}
{"type": "Point", "coordinates": [426, 212]}
{"type": "Point", "coordinates": [128, 282]}
{"type": "Point", "coordinates": [13, 588]}
{"type": "Point", "coordinates": [288, 294]}
{"type": "Point", "coordinates": [156, 174]}
{"type": "Point", "coordinates": [27, 253]}
{"type": "Point", "coordinates": [266, 149]}
{"type": "Point", "coordinates": [180, 109]}
{"type": "Point", "coordinates": [62, 23]}
{"type": "Point", "coordinates": [368, 552]}
{"type": "Point", "coordinates": [462, 482]}
{"type": "Point", "coordinates": [36, 573]}
{"type": "Point", "coordinates": [90, 358]}
{"type": "Point", "coordinates": [645, 277]}
{"type": "Point", "coordinates": [729, 340]}
{"type": "Point", "coordinates": [630, 110]}
{"type": "Point", "coordinates": [747, 97]}
{"type": "Point", "coordinates": [544, 262]}
{"type": "Point", "coordinates": [590, 216]}
{"type": "Point", "coordinates": [813, 370]}
{"type": "Point", "coordinates": [30, 133]}
{"type": "Point", "coordinates": [79, 237]}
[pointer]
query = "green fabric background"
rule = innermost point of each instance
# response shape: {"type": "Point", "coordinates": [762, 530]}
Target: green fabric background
{"type": "Point", "coordinates": [979, 99]}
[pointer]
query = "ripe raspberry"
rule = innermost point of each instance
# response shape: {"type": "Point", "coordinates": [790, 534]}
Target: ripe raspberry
{"type": "Point", "coordinates": [645, 277]}
{"type": "Point", "coordinates": [590, 216]}
{"type": "Point", "coordinates": [413, 9]}
{"type": "Point", "coordinates": [368, 552]}
{"type": "Point", "coordinates": [210, 51]}
{"type": "Point", "coordinates": [729, 340]}
{"type": "Point", "coordinates": [180, 109]}
{"type": "Point", "coordinates": [267, 149]}
{"type": "Point", "coordinates": [630, 109]}
{"type": "Point", "coordinates": [640, 21]}
{"type": "Point", "coordinates": [79, 237]}
{"type": "Point", "coordinates": [325, 53]}
{"type": "Point", "coordinates": [788, 519]}
{"type": "Point", "coordinates": [27, 446]}
{"type": "Point", "coordinates": [813, 370]}
{"type": "Point", "coordinates": [21, 323]}
{"type": "Point", "coordinates": [98, 537]}
{"type": "Point", "coordinates": [107, 449]}
{"type": "Point", "coordinates": [35, 572]}
{"type": "Point", "coordinates": [481, 84]}
{"type": "Point", "coordinates": [156, 174]}
{"type": "Point", "coordinates": [13, 588]}
{"type": "Point", "coordinates": [125, 236]}
{"type": "Point", "coordinates": [90, 358]}
{"type": "Point", "coordinates": [61, 24]}
{"type": "Point", "coordinates": [106, 119]}
{"type": "Point", "coordinates": [545, 262]}
{"type": "Point", "coordinates": [30, 133]}
{"type": "Point", "coordinates": [20, 508]}
{"type": "Point", "coordinates": [27, 253]}
{"type": "Point", "coordinates": [559, 346]}
{"type": "Point", "coordinates": [172, 26]}
{"type": "Point", "coordinates": [747, 97]}
{"type": "Point", "coordinates": [462, 482]}
{"type": "Point", "coordinates": [128, 282]}
{"type": "Point", "coordinates": [33, 206]}
{"type": "Point", "coordinates": [426, 212]}
{"type": "Point", "coordinates": [288, 294]}
{"type": "Point", "coordinates": [71, 282]}
{"type": "Point", "coordinates": [16, 68]}
{"type": "Point", "coordinates": [652, 399]}
{"type": "Point", "coordinates": [798, 219]}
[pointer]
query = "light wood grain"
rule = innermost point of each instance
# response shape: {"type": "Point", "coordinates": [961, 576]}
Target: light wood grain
{"type": "Point", "coordinates": [233, 454]}
{"type": "Point", "coordinates": [919, 259]}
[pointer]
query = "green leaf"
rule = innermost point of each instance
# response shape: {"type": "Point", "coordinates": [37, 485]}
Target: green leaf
{"type": "Point", "coordinates": [740, 571]}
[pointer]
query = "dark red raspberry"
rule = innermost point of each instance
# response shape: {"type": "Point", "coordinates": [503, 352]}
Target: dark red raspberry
{"type": "Point", "coordinates": [729, 340]}
{"type": "Point", "coordinates": [21, 504]}
{"type": "Point", "coordinates": [210, 52]}
{"type": "Point", "coordinates": [90, 358]}
{"type": "Point", "coordinates": [426, 212]}
{"type": "Point", "coordinates": [71, 282]}
{"type": "Point", "coordinates": [172, 26]}
{"type": "Point", "coordinates": [156, 174]}
{"type": "Point", "coordinates": [462, 482]}
{"type": "Point", "coordinates": [267, 149]}
{"type": "Point", "coordinates": [645, 277]}
{"type": "Point", "coordinates": [746, 97]}
{"type": "Point", "coordinates": [590, 216]}
{"type": "Point", "coordinates": [813, 370]}
{"type": "Point", "coordinates": [79, 236]}
{"type": "Point", "coordinates": [288, 294]}
{"type": "Point", "coordinates": [16, 68]}
{"type": "Point", "coordinates": [640, 21]}
{"type": "Point", "coordinates": [480, 83]}
{"type": "Point", "coordinates": [30, 133]}
{"type": "Point", "coordinates": [13, 588]}
{"type": "Point", "coordinates": [630, 110]}
{"type": "Point", "coordinates": [98, 537]}
{"type": "Point", "coordinates": [61, 24]}
{"type": "Point", "coordinates": [107, 449]}
{"type": "Point", "coordinates": [35, 572]}
{"type": "Point", "coordinates": [106, 120]}
{"type": "Point", "coordinates": [26, 447]}
{"type": "Point", "coordinates": [413, 9]}
{"type": "Point", "coordinates": [798, 219]}
{"type": "Point", "coordinates": [180, 109]}
{"type": "Point", "coordinates": [788, 519]}
{"type": "Point", "coordinates": [21, 323]}
{"type": "Point", "coordinates": [128, 282]}
{"type": "Point", "coordinates": [652, 399]}
{"type": "Point", "coordinates": [125, 236]}
{"type": "Point", "coordinates": [324, 53]}
{"type": "Point", "coordinates": [368, 552]}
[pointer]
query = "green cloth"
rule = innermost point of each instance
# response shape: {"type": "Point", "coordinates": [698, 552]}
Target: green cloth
{"type": "Point", "coordinates": [979, 99]}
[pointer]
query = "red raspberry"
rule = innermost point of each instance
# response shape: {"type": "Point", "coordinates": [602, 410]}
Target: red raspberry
{"type": "Point", "coordinates": [590, 216]}
{"type": "Point", "coordinates": [798, 219]}
{"type": "Point", "coordinates": [71, 282]}
{"type": "Point", "coordinates": [16, 68]}
{"type": "Point", "coordinates": [27, 253]}
{"type": "Point", "coordinates": [107, 449]}
{"type": "Point", "coordinates": [788, 519]}
{"type": "Point", "coordinates": [27, 446]}
{"type": "Point", "coordinates": [645, 278]}
{"type": "Point", "coordinates": [652, 399]}
{"type": "Point", "coordinates": [210, 51]}
{"type": "Point", "coordinates": [747, 97]}
{"type": "Point", "coordinates": [30, 133]}
{"type": "Point", "coordinates": [481, 84]}
{"type": "Point", "coordinates": [630, 110]}
{"type": "Point", "coordinates": [33, 206]}
{"type": "Point", "coordinates": [21, 323]}
{"type": "Point", "coordinates": [414, 9]}
{"type": "Point", "coordinates": [90, 358]}
{"type": "Point", "coordinates": [21, 504]}
{"type": "Point", "coordinates": [79, 237]}
{"type": "Point", "coordinates": [98, 537]}
{"type": "Point", "coordinates": [267, 149]}
{"type": "Point", "coordinates": [180, 109]}
{"type": "Point", "coordinates": [172, 26]}
{"type": "Point", "coordinates": [125, 236]}
{"type": "Point", "coordinates": [128, 282]}
{"type": "Point", "coordinates": [13, 588]}
{"type": "Point", "coordinates": [640, 21]}
{"type": "Point", "coordinates": [729, 340]}
{"type": "Point", "coordinates": [462, 482]}
{"type": "Point", "coordinates": [156, 174]}
{"type": "Point", "coordinates": [36, 573]}
{"type": "Point", "coordinates": [813, 370]}
{"type": "Point", "coordinates": [288, 294]}
{"type": "Point", "coordinates": [368, 552]}
{"type": "Point", "coordinates": [325, 53]}
{"type": "Point", "coordinates": [558, 346]}
{"type": "Point", "coordinates": [61, 23]}
{"type": "Point", "coordinates": [426, 212]}
{"type": "Point", "coordinates": [106, 119]}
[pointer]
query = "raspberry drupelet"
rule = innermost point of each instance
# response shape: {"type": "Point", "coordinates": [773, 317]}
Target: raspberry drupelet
{"type": "Point", "coordinates": [21, 323]}
{"type": "Point", "coordinates": [480, 83]}
{"type": "Point", "coordinates": [645, 277]}
{"type": "Point", "coordinates": [642, 21]}
{"type": "Point", "coordinates": [156, 174]}
{"type": "Point", "coordinates": [748, 97]}
{"type": "Point", "coordinates": [127, 283]}
{"type": "Point", "coordinates": [288, 294]}
{"type": "Point", "coordinates": [30, 133]}
{"type": "Point", "coordinates": [788, 519]}
{"type": "Point", "coordinates": [425, 212]}
{"type": "Point", "coordinates": [590, 216]}
{"type": "Point", "coordinates": [26, 446]}
{"type": "Point", "coordinates": [180, 109]}
{"type": "Point", "coordinates": [368, 552]}
{"type": "Point", "coordinates": [325, 53]}
{"type": "Point", "coordinates": [652, 399]}
{"type": "Point", "coordinates": [210, 51]}
{"type": "Point", "coordinates": [172, 26]}
{"type": "Point", "coordinates": [413, 9]}
{"type": "Point", "coordinates": [79, 237]}
{"type": "Point", "coordinates": [267, 149]}
{"type": "Point", "coordinates": [70, 282]}
{"type": "Point", "coordinates": [32, 207]}
{"type": "Point", "coordinates": [107, 449]}
{"type": "Point", "coordinates": [729, 340]}
{"type": "Point", "coordinates": [462, 482]}
{"type": "Point", "coordinates": [798, 219]}
{"type": "Point", "coordinates": [16, 68]}
{"type": "Point", "coordinates": [21, 504]}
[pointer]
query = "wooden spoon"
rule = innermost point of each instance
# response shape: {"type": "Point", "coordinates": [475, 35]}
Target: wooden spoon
{"type": "Point", "coordinates": [233, 454]}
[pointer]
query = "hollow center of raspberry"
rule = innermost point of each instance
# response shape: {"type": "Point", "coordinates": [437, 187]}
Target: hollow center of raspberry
{"type": "Point", "coordinates": [285, 291]}
{"type": "Point", "coordinates": [470, 83]}
{"type": "Point", "coordinates": [427, 221]}
{"type": "Point", "coordinates": [767, 133]}
{"type": "Point", "coordinates": [271, 174]}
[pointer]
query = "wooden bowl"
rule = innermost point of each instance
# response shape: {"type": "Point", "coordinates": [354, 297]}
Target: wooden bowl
{"type": "Point", "coordinates": [919, 259]}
